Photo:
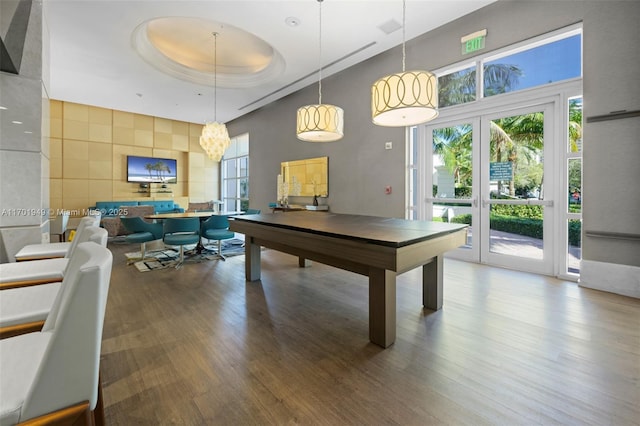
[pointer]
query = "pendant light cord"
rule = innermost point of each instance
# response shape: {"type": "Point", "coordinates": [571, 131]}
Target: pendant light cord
{"type": "Point", "coordinates": [320, 55]}
{"type": "Point", "coordinates": [404, 25]}
{"type": "Point", "coordinates": [215, 77]}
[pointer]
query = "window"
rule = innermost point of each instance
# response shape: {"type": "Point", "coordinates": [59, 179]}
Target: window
{"type": "Point", "coordinates": [544, 64]}
{"type": "Point", "coordinates": [546, 60]}
{"type": "Point", "coordinates": [235, 174]}
{"type": "Point", "coordinates": [457, 87]}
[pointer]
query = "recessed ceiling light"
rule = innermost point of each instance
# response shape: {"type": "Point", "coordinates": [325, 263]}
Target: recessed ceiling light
{"type": "Point", "coordinates": [17, 122]}
{"type": "Point", "coordinates": [292, 21]}
{"type": "Point", "coordinates": [2, 107]}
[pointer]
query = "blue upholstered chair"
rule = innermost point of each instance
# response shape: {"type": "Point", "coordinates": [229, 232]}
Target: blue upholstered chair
{"type": "Point", "coordinates": [181, 232]}
{"type": "Point", "coordinates": [217, 228]}
{"type": "Point", "coordinates": [142, 233]}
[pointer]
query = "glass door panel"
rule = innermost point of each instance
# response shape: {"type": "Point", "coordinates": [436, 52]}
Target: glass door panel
{"type": "Point", "coordinates": [452, 195]}
{"type": "Point", "coordinates": [516, 213]}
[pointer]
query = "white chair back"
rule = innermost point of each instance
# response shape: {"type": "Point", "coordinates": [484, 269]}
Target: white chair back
{"type": "Point", "coordinates": [69, 370]}
{"type": "Point", "coordinates": [97, 235]}
{"type": "Point", "coordinates": [58, 224]}
{"type": "Point", "coordinates": [96, 215]}
{"type": "Point", "coordinates": [78, 238]}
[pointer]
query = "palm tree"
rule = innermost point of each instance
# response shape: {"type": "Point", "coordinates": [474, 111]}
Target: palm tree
{"type": "Point", "coordinates": [148, 167]}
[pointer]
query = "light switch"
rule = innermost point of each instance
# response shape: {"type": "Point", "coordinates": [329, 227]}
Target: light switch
{"type": "Point", "coordinates": [388, 145]}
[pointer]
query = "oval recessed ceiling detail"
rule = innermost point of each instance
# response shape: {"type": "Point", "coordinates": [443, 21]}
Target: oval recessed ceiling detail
{"type": "Point", "coordinates": [184, 48]}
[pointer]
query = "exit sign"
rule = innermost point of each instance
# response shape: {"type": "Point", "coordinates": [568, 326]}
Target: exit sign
{"type": "Point", "coordinates": [473, 42]}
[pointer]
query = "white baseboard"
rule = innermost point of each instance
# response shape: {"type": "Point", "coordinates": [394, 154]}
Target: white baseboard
{"type": "Point", "coordinates": [619, 279]}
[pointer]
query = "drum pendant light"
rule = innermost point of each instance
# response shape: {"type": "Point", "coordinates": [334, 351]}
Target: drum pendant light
{"type": "Point", "coordinates": [407, 98]}
{"type": "Point", "coordinates": [320, 122]}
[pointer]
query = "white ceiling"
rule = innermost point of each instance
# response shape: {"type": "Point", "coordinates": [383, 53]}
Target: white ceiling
{"type": "Point", "coordinates": [93, 61]}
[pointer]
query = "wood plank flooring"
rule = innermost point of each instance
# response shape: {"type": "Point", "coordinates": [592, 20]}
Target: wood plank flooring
{"type": "Point", "coordinates": [200, 346]}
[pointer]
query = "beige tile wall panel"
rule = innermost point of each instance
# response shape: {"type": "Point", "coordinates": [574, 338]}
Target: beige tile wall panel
{"type": "Point", "coordinates": [56, 204]}
{"type": "Point", "coordinates": [143, 122]}
{"type": "Point", "coordinates": [75, 112]}
{"type": "Point", "coordinates": [123, 119]}
{"type": "Point", "coordinates": [72, 129]}
{"type": "Point", "coordinates": [100, 190]}
{"type": "Point", "coordinates": [75, 193]}
{"type": "Point", "coordinates": [55, 109]}
{"type": "Point", "coordinates": [75, 150]}
{"type": "Point", "coordinates": [75, 169]}
{"type": "Point", "coordinates": [162, 125]}
{"type": "Point", "coordinates": [123, 136]}
{"type": "Point", "coordinates": [55, 168]}
{"type": "Point", "coordinates": [55, 188]}
{"type": "Point", "coordinates": [100, 132]}
{"type": "Point", "coordinates": [194, 144]}
{"type": "Point", "coordinates": [55, 127]}
{"type": "Point", "coordinates": [162, 141]}
{"type": "Point", "coordinates": [181, 201]}
{"type": "Point", "coordinates": [197, 193]}
{"type": "Point", "coordinates": [100, 169]}
{"type": "Point", "coordinates": [99, 115]}
{"type": "Point", "coordinates": [196, 159]}
{"type": "Point", "coordinates": [180, 189]}
{"type": "Point", "coordinates": [195, 130]}
{"type": "Point", "coordinates": [100, 152]}
{"type": "Point", "coordinates": [211, 174]}
{"type": "Point", "coordinates": [180, 142]}
{"type": "Point", "coordinates": [180, 128]}
{"type": "Point", "coordinates": [89, 148]}
{"type": "Point", "coordinates": [123, 190]}
{"type": "Point", "coordinates": [196, 175]}
{"type": "Point", "coordinates": [55, 158]}
{"type": "Point", "coordinates": [55, 148]}
{"type": "Point", "coordinates": [143, 138]}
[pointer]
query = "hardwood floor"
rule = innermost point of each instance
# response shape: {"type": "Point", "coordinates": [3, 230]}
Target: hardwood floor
{"type": "Point", "coordinates": [200, 346]}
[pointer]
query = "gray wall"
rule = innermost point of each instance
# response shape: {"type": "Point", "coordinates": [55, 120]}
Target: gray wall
{"type": "Point", "coordinates": [360, 167]}
{"type": "Point", "coordinates": [24, 157]}
{"type": "Point", "coordinates": [612, 148]}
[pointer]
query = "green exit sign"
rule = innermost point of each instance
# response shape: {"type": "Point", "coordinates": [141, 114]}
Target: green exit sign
{"type": "Point", "coordinates": [473, 42]}
{"type": "Point", "coordinates": [473, 45]}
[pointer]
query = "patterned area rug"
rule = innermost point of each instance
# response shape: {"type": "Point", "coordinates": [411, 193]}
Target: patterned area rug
{"type": "Point", "coordinates": [161, 259]}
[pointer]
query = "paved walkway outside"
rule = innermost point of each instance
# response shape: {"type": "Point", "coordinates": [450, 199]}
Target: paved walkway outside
{"type": "Point", "coordinates": [520, 245]}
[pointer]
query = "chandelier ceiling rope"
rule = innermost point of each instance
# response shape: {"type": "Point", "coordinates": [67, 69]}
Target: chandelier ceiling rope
{"type": "Point", "coordinates": [320, 52]}
{"type": "Point", "coordinates": [407, 98]}
{"type": "Point", "coordinates": [215, 137]}
{"type": "Point", "coordinates": [320, 122]}
{"type": "Point", "coordinates": [215, 76]}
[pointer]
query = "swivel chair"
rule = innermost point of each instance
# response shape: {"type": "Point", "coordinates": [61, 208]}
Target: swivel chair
{"type": "Point", "coordinates": [142, 232]}
{"type": "Point", "coordinates": [181, 232]}
{"type": "Point", "coordinates": [217, 228]}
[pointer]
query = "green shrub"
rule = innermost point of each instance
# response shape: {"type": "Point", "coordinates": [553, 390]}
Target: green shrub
{"type": "Point", "coordinates": [575, 230]}
{"type": "Point", "coordinates": [521, 226]}
{"type": "Point", "coordinates": [463, 192]}
{"type": "Point", "coordinates": [463, 218]}
{"type": "Point", "coordinates": [524, 211]}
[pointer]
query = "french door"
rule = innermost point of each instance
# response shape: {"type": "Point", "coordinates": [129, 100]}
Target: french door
{"type": "Point", "coordinates": [495, 172]}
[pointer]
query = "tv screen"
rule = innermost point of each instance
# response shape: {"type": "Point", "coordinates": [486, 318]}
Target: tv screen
{"type": "Point", "coordinates": [151, 170]}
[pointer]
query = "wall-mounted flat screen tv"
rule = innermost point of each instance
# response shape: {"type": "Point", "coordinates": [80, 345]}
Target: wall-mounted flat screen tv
{"type": "Point", "coordinates": [151, 170]}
